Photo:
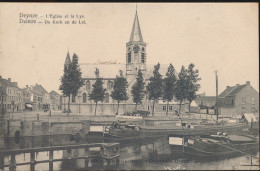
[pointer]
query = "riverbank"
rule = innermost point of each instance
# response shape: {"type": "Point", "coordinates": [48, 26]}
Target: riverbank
{"type": "Point", "coordinates": [58, 123]}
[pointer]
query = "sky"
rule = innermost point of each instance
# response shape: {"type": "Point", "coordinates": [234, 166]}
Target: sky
{"type": "Point", "coordinates": [213, 36]}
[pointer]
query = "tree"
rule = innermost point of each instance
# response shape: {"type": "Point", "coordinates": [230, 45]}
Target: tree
{"type": "Point", "coordinates": [193, 86]}
{"type": "Point", "coordinates": [138, 89]}
{"type": "Point", "coordinates": [98, 92]}
{"type": "Point", "coordinates": [169, 86]}
{"type": "Point", "coordinates": [182, 86]}
{"type": "Point", "coordinates": [71, 80]}
{"type": "Point", "coordinates": [119, 89]}
{"type": "Point", "coordinates": [154, 87]}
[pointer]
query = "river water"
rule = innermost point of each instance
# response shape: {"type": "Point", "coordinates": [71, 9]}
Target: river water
{"type": "Point", "coordinates": [133, 156]}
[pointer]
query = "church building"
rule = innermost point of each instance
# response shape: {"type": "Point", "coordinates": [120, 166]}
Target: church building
{"type": "Point", "coordinates": [136, 56]}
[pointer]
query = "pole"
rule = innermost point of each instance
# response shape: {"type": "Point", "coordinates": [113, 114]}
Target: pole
{"type": "Point", "coordinates": [79, 95]}
{"type": "Point", "coordinates": [216, 94]}
{"type": "Point", "coordinates": [64, 102]}
{"type": "Point", "coordinates": [79, 103]}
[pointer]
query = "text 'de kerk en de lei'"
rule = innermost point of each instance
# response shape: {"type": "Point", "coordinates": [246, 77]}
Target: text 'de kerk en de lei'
{"type": "Point", "coordinates": [51, 19]}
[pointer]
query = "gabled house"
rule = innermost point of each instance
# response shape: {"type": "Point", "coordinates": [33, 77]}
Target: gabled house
{"type": "Point", "coordinates": [27, 98]}
{"type": "Point", "coordinates": [238, 99]}
{"type": "Point", "coordinates": [41, 98]}
{"type": "Point", "coordinates": [12, 95]}
{"type": "Point", "coordinates": [55, 100]}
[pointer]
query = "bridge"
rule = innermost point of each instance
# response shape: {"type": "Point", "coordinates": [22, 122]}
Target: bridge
{"type": "Point", "coordinates": [107, 151]}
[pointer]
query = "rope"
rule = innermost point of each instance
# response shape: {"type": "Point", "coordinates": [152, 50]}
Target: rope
{"type": "Point", "coordinates": [236, 150]}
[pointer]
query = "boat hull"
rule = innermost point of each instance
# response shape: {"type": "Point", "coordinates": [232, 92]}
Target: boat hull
{"type": "Point", "coordinates": [155, 132]}
{"type": "Point", "coordinates": [214, 151]}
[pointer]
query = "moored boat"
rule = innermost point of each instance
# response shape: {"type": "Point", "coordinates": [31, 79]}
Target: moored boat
{"type": "Point", "coordinates": [212, 146]}
{"type": "Point", "coordinates": [131, 131]}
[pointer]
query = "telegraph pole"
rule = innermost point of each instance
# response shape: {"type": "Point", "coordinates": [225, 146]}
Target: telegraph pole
{"type": "Point", "coordinates": [216, 72]}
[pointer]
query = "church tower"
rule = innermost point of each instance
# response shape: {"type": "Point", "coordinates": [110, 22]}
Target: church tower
{"type": "Point", "coordinates": [67, 60]}
{"type": "Point", "coordinates": [135, 53]}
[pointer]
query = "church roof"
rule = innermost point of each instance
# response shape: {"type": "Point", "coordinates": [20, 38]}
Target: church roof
{"type": "Point", "coordinates": [109, 71]}
{"type": "Point", "coordinates": [67, 61]}
{"type": "Point", "coordinates": [136, 34]}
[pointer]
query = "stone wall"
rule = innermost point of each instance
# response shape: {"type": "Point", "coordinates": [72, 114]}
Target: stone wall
{"type": "Point", "coordinates": [38, 128]}
{"type": "Point", "coordinates": [102, 109]}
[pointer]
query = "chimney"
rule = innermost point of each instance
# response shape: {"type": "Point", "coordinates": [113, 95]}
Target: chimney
{"type": "Point", "coordinates": [227, 87]}
{"type": "Point", "coordinates": [0, 76]}
{"type": "Point", "coordinates": [9, 79]}
{"type": "Point", "coordinates": [26, 86]}
{"type": "Point", "coordinates": [248, 83]}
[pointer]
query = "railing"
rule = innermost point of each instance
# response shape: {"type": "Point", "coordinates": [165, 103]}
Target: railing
{"type": "Point", "coordinates": [108, 152]}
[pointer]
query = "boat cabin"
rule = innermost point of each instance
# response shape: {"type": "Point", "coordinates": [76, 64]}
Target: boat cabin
{"type": "Point", "coordinates": [117, 125]}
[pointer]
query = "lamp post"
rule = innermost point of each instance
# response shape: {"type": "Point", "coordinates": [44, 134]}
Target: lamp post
{"type": "Point", "coordinates": [216, 72]}
{"type": "Point", "coordinates": [64, 103]}
{"type": "Point", "coordinates": [79, 102]}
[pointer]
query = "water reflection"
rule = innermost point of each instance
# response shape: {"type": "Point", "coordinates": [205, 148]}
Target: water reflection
{"type": "Point", "coordinates": [150, 154]}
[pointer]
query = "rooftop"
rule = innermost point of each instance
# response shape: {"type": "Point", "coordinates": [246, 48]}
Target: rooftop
{"type": "Point", "coordinates": [231, 91]}
{"type": "Point", "coordinates": [110, 71]}
{"type": "Point", "coordinates": [38, 89]}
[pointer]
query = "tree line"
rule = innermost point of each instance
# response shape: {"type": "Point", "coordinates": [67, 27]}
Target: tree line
{"type": "Point", "coordinates": [183, 86]}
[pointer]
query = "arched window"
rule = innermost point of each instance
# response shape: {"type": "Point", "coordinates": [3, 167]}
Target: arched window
{"type": "Point", "coordinates": [73, 100]}
{"type": "Point", "coordinates": [88, 85]}
{"type": "Point", "coordinates": [84, 98]}
{"type": "Point", "coordinates": [106, 98]}
{"type": "Point", "coordinates": [109, 85]}
{"type": "Point", "coordinates": [143, 57]}
{"type": "Point", "coordinates": [129, 57]}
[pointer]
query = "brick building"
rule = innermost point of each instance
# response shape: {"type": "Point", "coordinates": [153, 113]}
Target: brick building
{"type": "Point", "coordinates": [28, 98]}
{"type": "Point", "coordinates": [13, 98]}
{"type": "Point", "coordinates": [41, 98]}
{"type": "Point", "coordinates": [55, 100]}
{"type": "Point", "coordinates": [239, 99]}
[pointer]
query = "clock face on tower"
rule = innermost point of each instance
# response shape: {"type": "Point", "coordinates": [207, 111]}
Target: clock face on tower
{"type": "Point", "coordinates": [136, 48]}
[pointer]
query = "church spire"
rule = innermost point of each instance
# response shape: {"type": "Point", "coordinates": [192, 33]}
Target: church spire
{"type": "Point", "coordinates": [67, 61]}
{"type": "Point", "coordinates": [136, 34]}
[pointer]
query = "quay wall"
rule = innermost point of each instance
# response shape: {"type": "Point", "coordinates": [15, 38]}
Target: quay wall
{"type": "Point", "coordinates": [102, 109]}
{"type": "Point", "coordinates": [38, 128]}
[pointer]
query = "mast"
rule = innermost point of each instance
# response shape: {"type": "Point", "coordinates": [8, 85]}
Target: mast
{"type": "Point", "coordinates": [216, 94]}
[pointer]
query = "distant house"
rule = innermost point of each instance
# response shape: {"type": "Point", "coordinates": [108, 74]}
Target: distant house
{"type": "Point", "coordinates": [55, 100]}
{"type": "Point", "coordinates": [41, 98]}
{"type": "Point", "coordinates": [173, 107]}
{"type": "Point", "coordinates": [206, 104]}
{"type": "Point", "coordinates": [194, 107]}
{"type": "Point", "coordinates": [207, 101]}
{"type": "Point", "coordinates": [12, 95]}
{"type": "Point", "coordinates": [28, 98]}
{"type": "Point", "coordinates": [239, 99]}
